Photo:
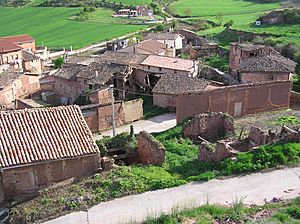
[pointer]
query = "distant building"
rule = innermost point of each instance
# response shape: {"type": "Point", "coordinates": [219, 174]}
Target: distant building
{"type": "Point", "coordinates": [117, 45]}
{"type": "Point", "coordinates": [40, 147]}
{"type": "Point", "coordinates": [150, 47]}
{"type": "Point", "coordinates": [19, 53]}
{"type": "Point", "coordinates": [172, 40]}
{"type": "Point", "coordinates": [138, 11]}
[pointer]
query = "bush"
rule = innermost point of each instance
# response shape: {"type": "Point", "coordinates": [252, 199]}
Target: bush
{"type": "Point", "coordinates": [58, 62]}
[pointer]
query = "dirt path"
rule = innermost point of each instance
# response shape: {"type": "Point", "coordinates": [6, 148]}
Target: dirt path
{"type": "Point", "coordinates": [251, 189]}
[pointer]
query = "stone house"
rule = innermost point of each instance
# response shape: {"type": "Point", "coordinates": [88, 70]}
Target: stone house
{"type": "Point", "coordinates": [169, 87]}
{"type": "Point", "coordinates": [172, 40]}
{"type": "Point", "coordinates": [31, 62]}
{"type": "Point", "coordinates": [24, 41]}
{"type": "Point", "coordinates": [36, 154]}
{"type": "Point", "coordinates": [117, 45]}
{"type": "Point", "coordinates": [136, 12]}
{"type": "Point", "coordinates": [236, 100]}
{"type": "Point", "coordinates": [16, 85]}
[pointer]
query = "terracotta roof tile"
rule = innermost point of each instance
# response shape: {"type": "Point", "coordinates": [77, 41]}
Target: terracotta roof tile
{"type": "Point", "coordinates": [6, 47]}
{"type": "Point", "coordinates": [43, 134]}
{"type": "Point", "coordinates": [18, 39]}
{"type": "Point", "coordinates": [169, 62]}
{"type": "Point", "coordinates": [174, 85]}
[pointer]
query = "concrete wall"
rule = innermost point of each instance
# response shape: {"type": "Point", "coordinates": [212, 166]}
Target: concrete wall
{"type": "Point", "coordinates": [27, 180]}
{"type": "Point", "coordinates": [235, 100]}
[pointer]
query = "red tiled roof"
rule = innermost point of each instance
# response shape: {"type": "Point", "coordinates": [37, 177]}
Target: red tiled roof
{"type": "Point", "coordinates": [6, 47]}
{"type": "Point", "coordinates": [43, 134]}
{"type": "Point", "coordinates": [18, 39]}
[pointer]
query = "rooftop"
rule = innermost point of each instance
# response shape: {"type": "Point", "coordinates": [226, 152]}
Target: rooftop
{"type": "Point", "coordinates": [27, 56]}
{"type": "Point", "coordinates": [162, 36]}
{"type": "Point", "coordinates": [8, 76]}
{"type": "Point", "coordinates": [123, 58]}
{"type": "Point", "coordinates": [18, 39]}
{"type": "Point", "coordinates": [268, 63]}
{"type": "Point", "coordinates": [44, 134]}
{"type": "Point", "coordinates": [175, 84]}
{"type": "Point", "coordinates": [169, 63]}
{"type": "Point", "coordinates": [150, 46]}
{"type": "Point", "coordinates": [6, 47]}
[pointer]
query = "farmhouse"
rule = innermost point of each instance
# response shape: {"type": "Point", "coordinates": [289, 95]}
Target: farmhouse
{"type": "Point", "coordinates": [40, 147]}
{"type": "Point", "coordinates": [136, 12]}
{"type": "Point", "coordinates": [16, 85]}
{"type": "Point", "coordinates": [255, 63]}
{"type": "Point", "coordinates": [23, 41]}
{"type": "Point", "coordinates": [170, 86]}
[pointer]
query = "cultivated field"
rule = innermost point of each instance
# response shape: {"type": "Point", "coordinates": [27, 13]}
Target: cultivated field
{"type": "Point", "coordinates": [53, 27]}
{"type": "Point", "coordinates": [212, 8]}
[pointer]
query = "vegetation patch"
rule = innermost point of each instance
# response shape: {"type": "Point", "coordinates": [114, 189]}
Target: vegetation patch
{"type": "Point", "coordinates": [282, 212]}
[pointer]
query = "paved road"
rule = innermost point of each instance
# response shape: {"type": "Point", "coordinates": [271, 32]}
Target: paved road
{"type": "Point", "coordinates": [155, 124]}
{"type": "Point", "coordinates": [252, 189]}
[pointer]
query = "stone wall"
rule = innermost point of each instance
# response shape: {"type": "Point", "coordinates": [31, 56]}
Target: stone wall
{"type": "Point", "coordinates": [150, 151]}
{"type": "Point", "coordinates": [208, 126]}
{"type": "Point", "coordinates": [217, 153]}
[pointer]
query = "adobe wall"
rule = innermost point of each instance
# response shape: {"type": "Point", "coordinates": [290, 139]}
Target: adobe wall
{"type": "Point", "coordinates": [164, 100]}
{"type": "Point", "coordinates": [92, 121]}
{"type": "Point", "coordinates": [102, 96]}
{"type": "Point", "coordinates": [237, 100]}
{"type": "Point", "coordinates": [105, 116]}
{"type": "Point", "coordinates": [25, 181]}
{"type": "Point", "coordinates": [150, 151]}
{"type": "Point", "coordinates": [295, 98]}
{"type": "Point", "coordinates": [262, 77]}
{"type": "Point", "coordinates": [133, 110]}
{"type": "Point", "coordinates": [208, 126]}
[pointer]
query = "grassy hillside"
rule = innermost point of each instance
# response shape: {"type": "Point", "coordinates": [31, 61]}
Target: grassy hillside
{"type": "Point", "coordinates": [53, 27]}
{"type": "Point", "coordinates": [211, 8]}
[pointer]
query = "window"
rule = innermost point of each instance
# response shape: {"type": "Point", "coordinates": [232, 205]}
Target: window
{"type": "Point", "coordinates": [148, 67]}
{"type": "Point", "coordinates": [271, 77]}
{"type": "Point", "coordinates": [175, 72]}
{"type": "Point", "coordinates": [159, 69]}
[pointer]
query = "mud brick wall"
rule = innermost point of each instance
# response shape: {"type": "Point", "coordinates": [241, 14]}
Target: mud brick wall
{"type": "Point", "coordinates": [133, 110]}
{"type": "Point", "coordinates": [210, 153]}
{"type": "Point", "coordinates": [295, 98]}
{"type": "Point", "coordinates": [22, 182]}
{"type": "Point", "coordinates": [252, 98]}
{"type": "Point", "coordinates": [150, 151]}
{"type": "Point", "coordinates": [208, 126]}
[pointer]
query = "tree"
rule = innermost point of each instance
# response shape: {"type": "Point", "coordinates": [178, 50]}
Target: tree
{"type": "Point", "coordinates": [58, 62]}
{"type": "Point", "coordinates": [160, 27]}
{"type": "Point", "coordinates": [228, 24]}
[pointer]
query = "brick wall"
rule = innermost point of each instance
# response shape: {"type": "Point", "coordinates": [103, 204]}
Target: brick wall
{"type": "Point", "coordinates": [237, 100]}
{"type": "Point", "coordinates": [27, 180]}
{"type": "Point", "coordinates": [150, 151]}
{"type": "Point", "coordinates": [164, 100]}
{"type": "Point", "coordinates": [105, 116]}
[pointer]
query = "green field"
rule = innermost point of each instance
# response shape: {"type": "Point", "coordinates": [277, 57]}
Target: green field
{"type": "Point", "coordinates": [283, 33]}
{"type": "Point", "coordinates": [214, 7]}
{"type": "Point", "coordinates": [53, 27]}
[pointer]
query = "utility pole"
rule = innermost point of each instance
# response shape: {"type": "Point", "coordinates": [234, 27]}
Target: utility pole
{"type": "Point", "coordinates": [111, 89]}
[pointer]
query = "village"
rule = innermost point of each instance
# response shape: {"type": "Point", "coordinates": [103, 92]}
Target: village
{"type": "Point", "coordinates": [61, 118]}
